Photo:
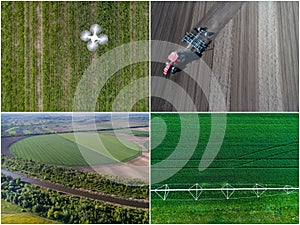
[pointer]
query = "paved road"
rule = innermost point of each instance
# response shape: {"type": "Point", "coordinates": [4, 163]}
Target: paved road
{"type": "Point", "coordinates": [254, 56]}
{"type": "Point", "coordinates": [80, 193]}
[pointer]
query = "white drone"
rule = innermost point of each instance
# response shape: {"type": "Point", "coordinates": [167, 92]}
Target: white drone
{"type": "Point", "coordinates": [93, 38]}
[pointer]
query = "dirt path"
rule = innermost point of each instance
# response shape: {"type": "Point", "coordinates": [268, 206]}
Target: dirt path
{"type": "Point", "coordinates": [254, 56]}
{"type": "Point", "coordinates": [81, 193]}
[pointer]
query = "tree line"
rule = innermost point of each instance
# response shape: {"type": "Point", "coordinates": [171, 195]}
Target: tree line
{"type": "Point", "coordinates": [108, 184]}
{"type": "Point", "coordinates": [67, 209]}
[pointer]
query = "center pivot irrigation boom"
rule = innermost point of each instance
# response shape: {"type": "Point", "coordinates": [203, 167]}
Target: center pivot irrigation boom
{"type": "Point", "coordinates": [197, 42]}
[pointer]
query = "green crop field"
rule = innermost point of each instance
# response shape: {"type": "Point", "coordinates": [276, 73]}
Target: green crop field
{"type": "Point", "coordinates": [257, 149]}
{"type": "Point", "coordinates": [26, 132]}
{"type": "Point", "coordinates": [12, 214]}
{"type": "Point", "coordinates": [43, 58]}
{"type": "Point", "coordinates": [63, 150]}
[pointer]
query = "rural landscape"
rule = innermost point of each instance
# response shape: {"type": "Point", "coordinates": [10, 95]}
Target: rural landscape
{"type": "Point", "coordinates": [43, 58]}
{"type": "Point", "coordinates": [254, 177]}
{"type": "Point", "coordinates": [48, 176]}
{"type": "Point", "coordinates": [252, 63]}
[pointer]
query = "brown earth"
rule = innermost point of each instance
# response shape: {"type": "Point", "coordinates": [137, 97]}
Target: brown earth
{"type": "Point", "coordinates": [253, 64]}
{"type": "Point", "coordinates": [135, 168]}
{"type": "Point", "coordinates": [6, 142]}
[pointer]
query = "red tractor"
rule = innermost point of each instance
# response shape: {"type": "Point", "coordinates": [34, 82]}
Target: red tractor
{"type": "Point", "coordinates": [197, 43]}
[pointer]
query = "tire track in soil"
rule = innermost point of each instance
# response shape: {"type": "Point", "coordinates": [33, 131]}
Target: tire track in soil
{"type": "Point", "coordinates": [288, 17]}
{"type": "Point", "coordinates": [245, 51]}
{"type": "Point", "coordinates": [244, 69]}
{"type": "Point", "coordinates": [169, 22]}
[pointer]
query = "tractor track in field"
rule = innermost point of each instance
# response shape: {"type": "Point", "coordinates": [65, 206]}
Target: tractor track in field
{"type": "Point", "coordinates": [114, 200]}
{"type": "Point", "coordinates": [254, 55]}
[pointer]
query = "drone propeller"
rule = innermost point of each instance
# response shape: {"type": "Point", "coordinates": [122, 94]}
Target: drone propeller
{"type": "Point", "coordinates": [95, 29]}
{"type": "Point", "coordinates": [85, 35]}
{"type": "Point", "coordinates": [92, 37]}
{"type": "Point", "coordinates": [92, 46]}
{"type": "Point", "coordinates": [102, 39]}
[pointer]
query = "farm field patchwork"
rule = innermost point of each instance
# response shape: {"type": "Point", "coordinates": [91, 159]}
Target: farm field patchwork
{"type": "Point", "coordinates": [31, 124]}
{"type": "Point", "coordinates": [257, 149]}
{"type": "Point", "coordinates": [45, 58]}
{"type": "Point", "coordinates": [57, 149]}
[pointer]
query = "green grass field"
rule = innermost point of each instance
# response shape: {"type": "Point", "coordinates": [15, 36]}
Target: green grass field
{"type": "Point", "coordinates": [257, 148]}
{"type": "Point", "coordinates": [26, 132]}
{"type": "Point", "coordinates": [63, 150]}
{"type": "Point", "coordinates": [12, 214]}
{"type": "Point", "coordinates": [281, 209]}
{"type": "Point", "coordinates": [43, 58]}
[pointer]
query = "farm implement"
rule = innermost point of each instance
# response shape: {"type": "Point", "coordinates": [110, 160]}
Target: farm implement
{"type": "Point", "coordinates": [197, 42]}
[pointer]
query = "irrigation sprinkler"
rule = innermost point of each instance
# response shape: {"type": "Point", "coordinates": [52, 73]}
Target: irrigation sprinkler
{"type": "Point", "coordinates": [92, 37]}
{"type": "Point", "coordinates": [198, 190]}
{"type": "Point", "coordinates": [165, 189]}
{"type": "Point", "coordinates": [259, 190]}
{"type": "Point", "coordinates": [227, 190]}
{"type": "Point", "coordinates": [288, 189]}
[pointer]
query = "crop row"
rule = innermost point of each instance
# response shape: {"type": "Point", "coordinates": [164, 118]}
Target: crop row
{"type": "Point", "coordinates": [48, 148]}
{"type": "Point", "coordinates": [45, 60]}
{"type": "Point", "coordinates": [256, 148]}
{"type": "Point", "coordinates": [244, 138]}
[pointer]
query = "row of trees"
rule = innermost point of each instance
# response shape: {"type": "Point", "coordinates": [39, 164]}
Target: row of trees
{"type": "Point", "coordinates": [66, 209]}
{"type": "Point", "coordinates": [119, 186]}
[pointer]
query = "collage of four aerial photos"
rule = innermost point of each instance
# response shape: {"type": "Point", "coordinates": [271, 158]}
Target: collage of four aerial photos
{"type": "Point", "coordinates": [141, 112]}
